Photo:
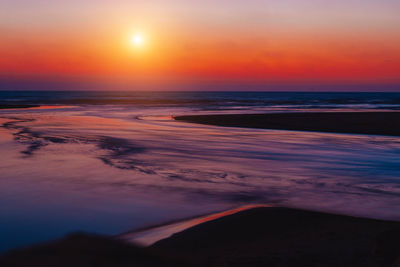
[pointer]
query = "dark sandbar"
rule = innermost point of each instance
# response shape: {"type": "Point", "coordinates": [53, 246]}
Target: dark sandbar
{"type": "Point", "coordinates": [255, 237]}
{"type": "Point", "coordinates": [380, 123]}
{"type": "Point", "coordinates": [6, 106]}
{"type": "Point", "coordinates": [288, 237]}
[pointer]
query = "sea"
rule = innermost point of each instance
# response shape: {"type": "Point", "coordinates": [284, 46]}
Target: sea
{"type": "Point", "coordinates": [112, 162]}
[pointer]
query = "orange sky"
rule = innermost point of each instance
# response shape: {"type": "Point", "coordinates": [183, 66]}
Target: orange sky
{"type": "Point", "coordinates": [228, 42]}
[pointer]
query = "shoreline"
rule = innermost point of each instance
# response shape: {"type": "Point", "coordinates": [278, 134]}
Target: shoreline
{"type": "Point", "coordinates": [371, 123]}
{"type": "Point", "coordinates": [149, 235]}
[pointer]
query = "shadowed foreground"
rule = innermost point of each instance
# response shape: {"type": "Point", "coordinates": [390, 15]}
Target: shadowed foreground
{"type": "Point", "coordinates": [82, 250]}
{"type": "Point", "coordinates": [256, 237]}
{"type": "Point", "coordinates": [382, 123]}
{"type": "Point", "coordinates": [288, 237]}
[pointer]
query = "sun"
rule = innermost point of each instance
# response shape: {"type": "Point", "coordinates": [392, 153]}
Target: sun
{"type": "Point", "coordinates": [137, 40]}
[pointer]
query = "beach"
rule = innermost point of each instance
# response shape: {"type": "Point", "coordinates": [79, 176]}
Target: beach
{"type": "Point", "coordinates": [84, 162]}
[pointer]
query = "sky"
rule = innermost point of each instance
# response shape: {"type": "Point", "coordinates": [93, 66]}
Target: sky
{"type": "Point", "coordinates": [189, 43]}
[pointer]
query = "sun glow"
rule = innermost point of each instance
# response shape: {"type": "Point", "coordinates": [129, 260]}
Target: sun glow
{"type": "Point", "coordinates": [137, 40]}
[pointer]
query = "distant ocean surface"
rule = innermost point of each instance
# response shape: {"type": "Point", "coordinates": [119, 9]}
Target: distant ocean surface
{"type": "Point", "coordinates": [209, 100]}
{"type": "Point", "coordinates": [110, 162]}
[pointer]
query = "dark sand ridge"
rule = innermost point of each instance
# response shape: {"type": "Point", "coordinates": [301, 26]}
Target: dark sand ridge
{"type": "Point", "coordinates": [7, 106]}
{"type": "Point", "coordinates": [380, 123]}
{"type": "Point", "coordinates": [270, 236]}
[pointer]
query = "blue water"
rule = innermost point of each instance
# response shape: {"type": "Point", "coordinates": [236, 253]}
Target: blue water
{"type": "Point", "coordinates": [110, 162]}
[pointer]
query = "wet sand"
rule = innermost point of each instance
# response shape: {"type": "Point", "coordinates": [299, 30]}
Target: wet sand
{"type": "Point", "coordinates": [269, 236]}
{"type": "Point", "coordinates": [379, 123]}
